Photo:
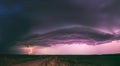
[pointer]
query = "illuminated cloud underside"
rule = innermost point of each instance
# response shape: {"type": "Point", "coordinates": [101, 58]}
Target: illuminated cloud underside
{"type": "Point", "coordinates": [83, 49]}
{"type": "Point", "coordinates": [74, 40]}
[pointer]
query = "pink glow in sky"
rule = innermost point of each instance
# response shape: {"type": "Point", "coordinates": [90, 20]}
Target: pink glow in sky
{"type": "Point", "coordinates": [80, 49]}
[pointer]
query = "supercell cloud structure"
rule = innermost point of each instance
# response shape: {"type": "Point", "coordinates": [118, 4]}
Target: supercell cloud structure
{"type": "Point", "coordinates": [72, 40]}
{"type": "Point", "coordinates": [39, 22]}
{"type": "Point", "coordinates": [68, 36]}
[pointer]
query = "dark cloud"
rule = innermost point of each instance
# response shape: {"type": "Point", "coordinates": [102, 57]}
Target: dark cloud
{"type": "Point", "coordinates": [29, 16]}
{"type": "Point", "coordinates": [69, 35]}
{"type": "Point", "coordinates": [12, 24]}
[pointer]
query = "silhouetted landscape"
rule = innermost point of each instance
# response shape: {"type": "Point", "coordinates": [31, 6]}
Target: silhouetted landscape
{"type": "Point", "coordinates": [60, 60]}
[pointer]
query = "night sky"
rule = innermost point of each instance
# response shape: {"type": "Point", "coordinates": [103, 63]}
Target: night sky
{"type": "Point", "coordinates": [26, 17]}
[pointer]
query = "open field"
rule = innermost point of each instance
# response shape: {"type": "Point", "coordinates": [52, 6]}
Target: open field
{"type": "Point", "coordinates": [60, 60]}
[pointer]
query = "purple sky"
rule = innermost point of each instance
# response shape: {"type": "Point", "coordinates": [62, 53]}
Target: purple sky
{"type": "Point", "coordinates": [27, 17]}
{"type": "Point", "coordinates": [73, 49]}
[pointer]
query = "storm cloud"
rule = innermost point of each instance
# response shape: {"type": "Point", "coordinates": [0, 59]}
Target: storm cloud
{"type": "Point", "coordinates": [24, 17]}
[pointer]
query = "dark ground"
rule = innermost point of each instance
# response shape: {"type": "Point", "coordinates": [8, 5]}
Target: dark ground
{"type": "Point", "coordinates": [106, 60]}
